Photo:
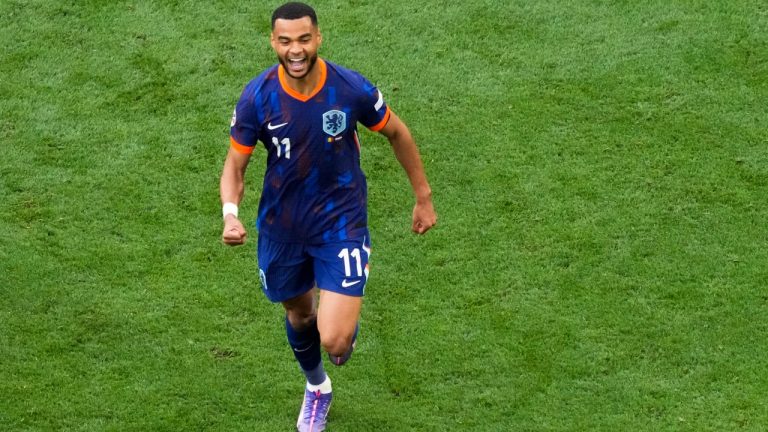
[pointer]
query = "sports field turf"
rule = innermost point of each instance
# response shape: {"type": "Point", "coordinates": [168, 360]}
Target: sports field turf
{"type": "Point", "coordinates": [600, 170]}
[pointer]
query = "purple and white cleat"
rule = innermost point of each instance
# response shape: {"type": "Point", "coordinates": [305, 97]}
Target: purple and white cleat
{"type": "Point", "coordinates": [314, 410]}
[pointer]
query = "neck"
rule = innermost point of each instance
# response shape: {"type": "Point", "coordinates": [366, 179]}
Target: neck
{"type": "Point", "coordinates": [308, 83]}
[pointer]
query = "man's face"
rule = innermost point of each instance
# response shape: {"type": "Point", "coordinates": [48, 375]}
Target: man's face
{"type": "Point", "coordinates": [296, 42]}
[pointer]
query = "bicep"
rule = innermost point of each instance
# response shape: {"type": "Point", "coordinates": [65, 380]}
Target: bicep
{"type": "Point", "coordinates": [236, 161]}
{"type": "Point", "coordinates": [393, 128]}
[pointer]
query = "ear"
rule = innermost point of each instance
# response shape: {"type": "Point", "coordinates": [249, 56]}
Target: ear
{"type": "Point", "coordinates": [273, 41]}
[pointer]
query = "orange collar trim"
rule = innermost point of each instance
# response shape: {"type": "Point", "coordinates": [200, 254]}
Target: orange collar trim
{"type": "Point", "coordinates": [300, 96]}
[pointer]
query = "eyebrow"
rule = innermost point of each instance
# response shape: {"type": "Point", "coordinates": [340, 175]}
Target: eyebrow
{"type": "Point", "coordinates": [305, 35]}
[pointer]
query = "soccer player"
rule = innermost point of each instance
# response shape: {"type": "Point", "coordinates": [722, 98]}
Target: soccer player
{"type": "Point", "coordinates": [312, 219]}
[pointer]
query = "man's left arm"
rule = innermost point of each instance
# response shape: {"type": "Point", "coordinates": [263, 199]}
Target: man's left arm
{"type": "Point", "coordinates": [406, 152]}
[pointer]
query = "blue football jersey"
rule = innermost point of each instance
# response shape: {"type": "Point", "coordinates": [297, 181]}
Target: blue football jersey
{"type": "Point", "coordinates": [314, 188]}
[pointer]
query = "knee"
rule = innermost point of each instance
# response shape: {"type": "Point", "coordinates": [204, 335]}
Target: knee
{"type": "Point", "coordinates": [336, 343]}
{"type": "Point", "coordinates": [301, 319]}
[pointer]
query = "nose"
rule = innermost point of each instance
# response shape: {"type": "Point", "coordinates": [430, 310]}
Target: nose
{"type": "Point", "coordinates": [294, 48]}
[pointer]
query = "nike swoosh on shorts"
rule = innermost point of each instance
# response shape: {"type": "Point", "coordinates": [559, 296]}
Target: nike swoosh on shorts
{"type": "Point", "coordinates": [346, 284]}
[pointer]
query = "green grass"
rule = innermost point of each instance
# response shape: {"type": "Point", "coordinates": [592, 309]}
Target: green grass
{"type": "Point", "coordinates": [600, 170]}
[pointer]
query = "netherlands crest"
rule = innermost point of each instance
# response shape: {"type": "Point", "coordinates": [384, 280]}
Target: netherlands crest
{"type": "Point", "coordinates": [334, 122]}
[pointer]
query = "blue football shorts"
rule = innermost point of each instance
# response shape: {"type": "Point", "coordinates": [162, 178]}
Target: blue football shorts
{"type": "Point", "coordinates": [288, 270]}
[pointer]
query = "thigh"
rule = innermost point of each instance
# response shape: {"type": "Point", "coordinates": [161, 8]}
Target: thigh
{"type": "Point", "coordinates": [337, 315]}
{"type": "Point", "coordinates": [285, 269]}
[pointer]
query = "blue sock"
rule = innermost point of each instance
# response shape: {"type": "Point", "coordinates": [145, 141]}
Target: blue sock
{"type": "Point", "coordinates": [305, 345]}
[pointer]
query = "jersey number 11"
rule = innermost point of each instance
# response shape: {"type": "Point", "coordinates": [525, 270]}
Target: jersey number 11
{"type": "Point", "coordinates": [283, 147]}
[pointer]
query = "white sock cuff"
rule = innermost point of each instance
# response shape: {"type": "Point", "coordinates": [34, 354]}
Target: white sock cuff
{"type": "Point", "coordinates": [324, 387]}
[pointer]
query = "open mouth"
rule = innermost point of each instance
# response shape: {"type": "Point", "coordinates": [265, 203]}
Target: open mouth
{"type": "Point", "coordinates": [297, 64]}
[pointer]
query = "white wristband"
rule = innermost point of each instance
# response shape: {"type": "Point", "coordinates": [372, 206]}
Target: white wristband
{"type": "Point", "coordinates": [228, 208]}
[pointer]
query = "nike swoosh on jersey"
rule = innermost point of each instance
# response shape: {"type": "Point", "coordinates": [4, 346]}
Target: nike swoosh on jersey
{"type": "Point", "coordinates": [346, 284]}
{"type": "Point", "coordinates": [270, 126]}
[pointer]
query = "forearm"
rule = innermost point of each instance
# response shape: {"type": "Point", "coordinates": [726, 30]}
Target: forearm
{"type": "Point", "coordinates": [232, 182]}
{"type": "Point", "coordinates": [231, 189]}
{"type": "Point", "coordinates": [407, 154]}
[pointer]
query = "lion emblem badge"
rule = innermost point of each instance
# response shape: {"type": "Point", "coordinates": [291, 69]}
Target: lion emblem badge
{"type": "Point", "coordinates": [334, 122]}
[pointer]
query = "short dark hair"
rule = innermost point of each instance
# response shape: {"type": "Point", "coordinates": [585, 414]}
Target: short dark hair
{"type": "Point", "coordinates": [292, 11]}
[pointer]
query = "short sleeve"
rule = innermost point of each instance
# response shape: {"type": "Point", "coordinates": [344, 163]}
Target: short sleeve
{"type": "Point", "coordinates": [244, 128]}
{"type": "Point", "coordinates": [375, 112]}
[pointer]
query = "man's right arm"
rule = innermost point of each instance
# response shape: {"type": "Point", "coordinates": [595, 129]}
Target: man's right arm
{"type": "Point", "coordinates": [231, 189]}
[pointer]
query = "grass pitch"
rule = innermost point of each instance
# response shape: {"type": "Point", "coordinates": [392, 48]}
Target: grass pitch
{"type": "Point", "coordinates": [600, 170]}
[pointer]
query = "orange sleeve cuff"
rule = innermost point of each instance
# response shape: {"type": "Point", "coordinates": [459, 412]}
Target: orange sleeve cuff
{"type": "Point", "coordinates": [380, 125]}
{"type": "Point", "coordinates": [239, 147]}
